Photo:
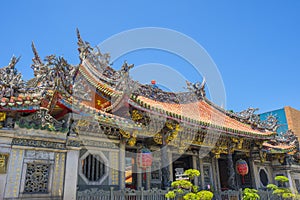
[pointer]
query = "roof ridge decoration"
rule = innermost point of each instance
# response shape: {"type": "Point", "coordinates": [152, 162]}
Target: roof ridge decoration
{"type": "Point", "coordinates": [197, 88]}
{"type": "Point", "coordinates": [196, 92]}
{"type": "Point", "coordinates": [249, 116]}
{"type": "Point", "coordinates": [55, 73]}
{"type": "Point", "coordinates": [158, 94]}
{"type": "Point", "coordinates": [288, 138]}
{"type": "Point", "coordinates": [11, 82]}
{"type": "Point", "coordinates": [84, 47]}
{"type": "Point", "coordinates": [98, 64]}
{"type": "Point", "coordinates": [100, 60]}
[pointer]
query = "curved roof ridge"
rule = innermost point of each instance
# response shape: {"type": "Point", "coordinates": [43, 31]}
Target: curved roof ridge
{"type": "Point", "coordinates": [206, 115]}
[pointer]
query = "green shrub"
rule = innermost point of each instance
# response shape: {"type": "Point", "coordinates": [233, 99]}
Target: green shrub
{"type": "Point", "coordinates": [187, 189]}
{"type": "Point", "coordinates": [281, 191]}
{"type": "Point", "coordinates": [250, 194]}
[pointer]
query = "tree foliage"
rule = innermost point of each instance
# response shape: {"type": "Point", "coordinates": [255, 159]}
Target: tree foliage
{"type": "Point", "coordinates": [282, 179]}
{"type": "Point", "coordinates": [187, 189]}
{"type": "Point", "coordinates": [192, 173]}
{"type": "Point", "coordinates": [281, 190]}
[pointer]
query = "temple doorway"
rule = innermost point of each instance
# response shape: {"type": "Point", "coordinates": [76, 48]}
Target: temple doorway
{"type": "Point", "coordinates": [184, 162]}
{"type": "Point", "coordinates": [223, 171]}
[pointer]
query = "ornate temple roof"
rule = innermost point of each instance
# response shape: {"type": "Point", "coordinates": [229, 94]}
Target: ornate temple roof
{"type": "Point", "coordinates": [203, 114]}
{"type": "Point", "coordinates": [94, 89]}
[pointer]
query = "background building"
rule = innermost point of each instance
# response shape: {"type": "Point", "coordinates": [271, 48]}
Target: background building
{"type": "Point", "coordinates": [288, 119]}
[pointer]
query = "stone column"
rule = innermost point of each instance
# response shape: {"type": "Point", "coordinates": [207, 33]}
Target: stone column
{"type": "Point", "coordinates": [170, 156]}
{"type": "Point", "coordinates": [165, 181]}
{"type": "Point", "coordinates": [201, 173]}
{"type": "Point", "coordinates": [139, 177]}
{"type": "Point", "coordinates": [252, 173]}
{"type": "Point", "coordinates": [148, 178]}
{"type": "Point", "coordinates": [122, 164]}
{"type": "Point", "coordinates": [291, 185]}
{"type": "Point", "coordinates": [216, 173]}
{"type": "Point", "coordinates": [15, 168]}
{"type": "Point", "coordinates": [71, 174]}
{"type": "Point", "coordinates": [2, 185]}
{"type": "Point", "coordinates": [196, 181]}
{"type": "Point", "coordinates": [231, 172]}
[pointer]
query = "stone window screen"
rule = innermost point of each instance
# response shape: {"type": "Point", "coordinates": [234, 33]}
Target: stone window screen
{"type": "Point", "coordinates": [93, 168]}
{"type": "Point", "coordinates": [37, 178]}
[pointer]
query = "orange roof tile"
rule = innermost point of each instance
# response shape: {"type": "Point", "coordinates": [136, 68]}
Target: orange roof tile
{"type": "Point", "coordinates": [202, 111]}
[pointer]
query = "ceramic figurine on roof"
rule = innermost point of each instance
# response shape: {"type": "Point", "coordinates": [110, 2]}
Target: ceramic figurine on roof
{"type": "Point", "coordinates": [82, 126]}
{"type": "Point", "coordinates": [198, 88]}
{"type": "Point", "coordinates": [11, 83]}
{"type": "Point", "coordinates": [125, 67]}
{"type": "Point", "coordinates": [84, 48]}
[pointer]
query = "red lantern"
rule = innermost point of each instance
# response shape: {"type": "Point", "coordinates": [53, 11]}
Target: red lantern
{"type": "Point", "coordinates": [144, 158]}
{"type": "Point", "coordinates": [242, 168]}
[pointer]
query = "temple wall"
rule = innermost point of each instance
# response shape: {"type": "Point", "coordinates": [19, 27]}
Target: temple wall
{"type": "Point", "coordinates": [259, 170]}
{"type": "Point", "coordinates": [5, 153]}
{"type": "Point", "coordinates": [275, 168]}
{"type": "Point", "coordinates": [6, 158]}
{"type": "Point", "coordinates": [295, 175]}
{"type": "Point", "coordinates": [59, 166]}
{"type": "Point", "coordinates": [107, 153]}
{"type": "Point", "coordinates": [34, 167]}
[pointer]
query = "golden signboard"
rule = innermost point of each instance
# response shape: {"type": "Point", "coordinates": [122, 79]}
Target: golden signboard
{"type": "Point", "coordinates": [3, 163]}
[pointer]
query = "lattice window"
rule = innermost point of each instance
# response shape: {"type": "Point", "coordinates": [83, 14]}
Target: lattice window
{"type": "Point", "coordinates": [93, 167]}
{"type": "Point", "coordinates": [37, 178]}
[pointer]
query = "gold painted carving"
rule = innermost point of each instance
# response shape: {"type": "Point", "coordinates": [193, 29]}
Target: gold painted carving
{"type": "Point", "coordinates": [132, 141]}
{"type": "Point", "coordinates": [125, 134]}
{"type": "Point", "coordinates": [83, 123]}
{"type": "Point", "coordinates": [2, 116]}
{"type": "Point", "coordinates": [3, 163]}
{"type": "Point", "coordinates": [157, 138]}
{"type": "Point", "coordinates": [240, 143]}
{"type": "Point", "coordinates": [136, 115]}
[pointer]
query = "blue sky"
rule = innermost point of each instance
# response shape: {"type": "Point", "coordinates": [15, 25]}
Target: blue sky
{"type": "Point", "coordinates": [255, 44]}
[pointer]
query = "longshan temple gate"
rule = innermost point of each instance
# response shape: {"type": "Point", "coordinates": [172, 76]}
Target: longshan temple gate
{"type": "Point", "coordinates": [71, 129]}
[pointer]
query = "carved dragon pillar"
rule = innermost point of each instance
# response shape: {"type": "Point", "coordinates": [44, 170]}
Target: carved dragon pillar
{"type": "Point", "coordinates": [231, 171]}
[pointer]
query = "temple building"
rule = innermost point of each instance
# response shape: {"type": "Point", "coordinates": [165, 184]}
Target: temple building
{"type": "Point", "coordinates": [74, 128]}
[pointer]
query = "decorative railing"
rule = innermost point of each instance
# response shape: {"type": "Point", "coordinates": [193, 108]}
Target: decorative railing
{"type": "Point", "coordinates": [157, 194]}
{"type": "Point", "coordinates": [267, 195]}
{"type": "Point", "coordinates": [228, 195]}
{"type": "Point", "coordinates": [127, 194]}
